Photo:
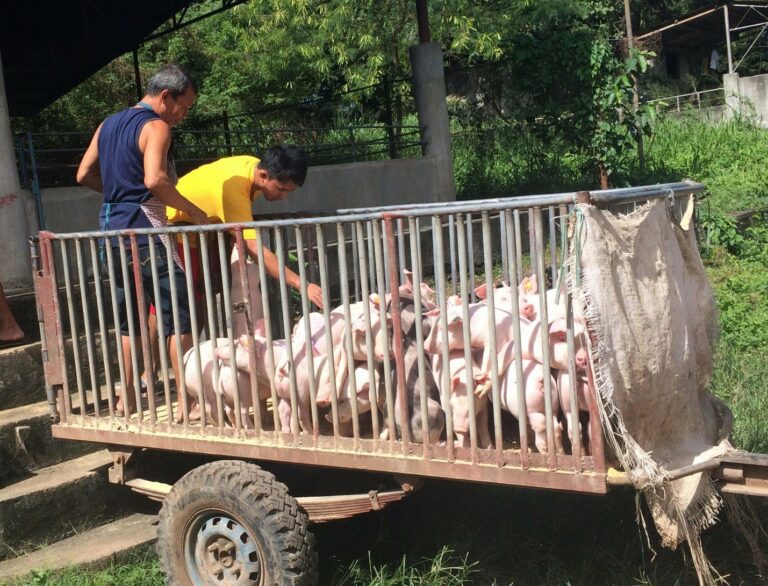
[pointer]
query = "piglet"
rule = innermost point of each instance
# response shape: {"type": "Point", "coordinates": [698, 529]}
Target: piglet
{"type": "Point", "coordinates": [461, 392]}
{"type": "Point", "coordinates": [533, 387]}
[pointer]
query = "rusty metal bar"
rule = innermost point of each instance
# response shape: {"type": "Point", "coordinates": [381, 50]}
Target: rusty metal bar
{"type": "Point", "coordinates": [161, 333]}
{"type": "Point", "coordinates": [397, 338]}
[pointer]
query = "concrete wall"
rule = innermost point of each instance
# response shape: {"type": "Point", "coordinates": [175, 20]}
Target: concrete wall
{"type": "Point", "coordinates": [747, 96]}
{"type": "Point", "coordinates": [367, 184]}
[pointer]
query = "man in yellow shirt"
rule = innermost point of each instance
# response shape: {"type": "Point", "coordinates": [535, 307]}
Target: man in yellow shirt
{"type": "Point", "coordinates": [225, 190]}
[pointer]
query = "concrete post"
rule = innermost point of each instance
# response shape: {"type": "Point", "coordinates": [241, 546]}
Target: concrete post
{"type": "Point", "coordinates": [15, 270]}
{"type": "Point", "coordinates": [429, 94]}
{"type": "Point", "coordinates": [732, 96]}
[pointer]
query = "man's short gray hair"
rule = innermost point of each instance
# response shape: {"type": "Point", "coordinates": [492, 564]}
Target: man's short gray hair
{"type": "Point", "coordinates": [173, 78]}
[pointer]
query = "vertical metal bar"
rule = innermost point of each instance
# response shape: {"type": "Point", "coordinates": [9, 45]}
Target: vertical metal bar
{"type": "Point", "coordinates": [417, 278]}
{"type": "Point", "coordinates": [494, 350]}
{"type": "Point", "coordinates": [227, 303]}
{"type": "Point", "coordinates": [400, 251]}
{"type": "Point", "coordinates": [161, 333]}
{"type": "Point", "coordinates": [471, 257]}
{"type": "Point", "coordinates": [103, 334]}
{"type": "Point", "coordinates": [327, 319]}
{"type": "Point", "coordinates": [397, 338]}
{"type": "Point", "coordinates": [372, 387]}
{"type": "Point", "coordinates": [181, 384]}
{"type": "Point", "coordinates": [202, 243]}
{"type": "Point", "coordinates": [267, 311]}
{"type": "Point", "coordinates": [544, 333]}
{"type": "Point", "coordinates": [552, 245]}
{"type": "Point", "coordinates": [355, 263]}
{"type": "Point", "coordinates": [381, 285]}
{"type": "Point", "coordinates": [371, 258]}
{"type": "Point", "coordinates": [504, 258]}
{"type": "Point", "coordinates": [452, 249]}
{"type": "Point", "coordinates": [386, 261]}
{"type": "Point", "coordinates": [518, 247]}
{"type": "Point", "coordinates": [514, 268]}
{"type": "Point", "coordinates": [532, 248]}
{"type": "Point", "coordinates": [116, 318]}
{"type": "Point", "coordinates": [89, 343]}
{"type": "Point", "coordinates": [308, 354]}
{"type": "Point", "coordinates": [195, 328]}
{"type": "Point", "coordinates": [469, 380]}
{"type": "Point", "coordinates": [351, 379]}
{"type": "Point", "coordinates": [144, 329]}
{"type": "Point", "coordinates": [129, 285]}
{"type": "Point", "coordinates": [73, 325]}
{"type": "Point", "coordinates": [573, 431]}
{"type": "Point", "coordinates": [441, 288]}
{"type": "Point", "coordinates": [295, 406]}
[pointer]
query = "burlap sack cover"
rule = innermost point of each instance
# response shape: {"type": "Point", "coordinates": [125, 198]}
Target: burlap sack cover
{"type": "Point", "coordinates": [641, 285]}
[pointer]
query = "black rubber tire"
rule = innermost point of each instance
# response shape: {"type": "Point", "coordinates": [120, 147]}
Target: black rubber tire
{"type": "Point", "coordinates": [256, 511]}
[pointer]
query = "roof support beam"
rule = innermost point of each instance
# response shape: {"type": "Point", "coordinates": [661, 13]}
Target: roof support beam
{"type": "Point", "coordinates": [728, 38]}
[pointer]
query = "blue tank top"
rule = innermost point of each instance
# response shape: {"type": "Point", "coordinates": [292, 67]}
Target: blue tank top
{"type": "Point", "coordinates": [122, 170]}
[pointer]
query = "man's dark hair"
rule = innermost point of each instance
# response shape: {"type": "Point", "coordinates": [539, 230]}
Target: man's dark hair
{"type": "Point", "coordinates": [173, 78]}
{"type": "Point", "coordinates": [285, 162]}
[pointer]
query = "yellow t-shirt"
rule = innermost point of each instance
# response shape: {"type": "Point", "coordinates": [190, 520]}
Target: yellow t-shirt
{"type": "Point", "coordinates": [221, 189]}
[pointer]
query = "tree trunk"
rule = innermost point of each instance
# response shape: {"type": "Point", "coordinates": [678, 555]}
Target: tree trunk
{"type": "Point", "coordinates": [603, 173]}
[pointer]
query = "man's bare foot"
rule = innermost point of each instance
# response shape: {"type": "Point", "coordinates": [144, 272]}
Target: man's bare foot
{"type": "Point", "coordinates": [120, 411]}
{"type": "Point", "coordinates": [194, 412]}
{"type": "Point", "coordinates": [11, 334]}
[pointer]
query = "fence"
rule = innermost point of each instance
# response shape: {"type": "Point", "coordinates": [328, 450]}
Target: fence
{"type": "Point", "coordinates": [402, 421]}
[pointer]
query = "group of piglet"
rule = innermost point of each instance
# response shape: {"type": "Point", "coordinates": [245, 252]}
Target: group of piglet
{"type": "Point", "coordinates": [334, 370]}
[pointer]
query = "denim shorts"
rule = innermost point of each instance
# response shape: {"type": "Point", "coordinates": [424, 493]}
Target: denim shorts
{"type": "Point", "coordinates": [164, 283]}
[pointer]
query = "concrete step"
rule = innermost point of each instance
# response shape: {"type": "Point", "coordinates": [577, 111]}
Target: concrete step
{"type": "Point", "coordinates": [23, 307]}
{"type": "Point", "coordinates": [26, 443]}
{"type": "Point", "coordinates": [21, 375]}
{"type": "Point", "coordinates": [22, 378]}
{"type": "Point", "coordinates": [94, 548]}
{"type": "Point", "coordinates": [58, 501]}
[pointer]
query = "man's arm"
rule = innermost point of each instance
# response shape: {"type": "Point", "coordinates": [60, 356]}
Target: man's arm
{"type": "Point", "coordinates": [155, 139]}
{"type": "Point", "coordinates": [88, 173]}
{"type": "Point", "coordinates": [272, 268]}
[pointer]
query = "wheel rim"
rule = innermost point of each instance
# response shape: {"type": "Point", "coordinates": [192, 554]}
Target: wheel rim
{"type": "Point", "coordinates": [220, 550]}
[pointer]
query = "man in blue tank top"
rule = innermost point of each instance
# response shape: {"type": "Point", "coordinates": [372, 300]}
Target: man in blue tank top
{"type": "Point", "coordinates": [127, 162]}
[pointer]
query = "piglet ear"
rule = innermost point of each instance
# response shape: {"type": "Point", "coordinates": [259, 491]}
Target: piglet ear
{"type": "Point", "coordinates": [482, 291]}
{"type": "Point", "coordinates": [558, 330]}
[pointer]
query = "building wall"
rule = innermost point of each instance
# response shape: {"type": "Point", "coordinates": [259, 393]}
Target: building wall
{"type": "Point", "coordinates": [350, 185]}
{"type": "Point", "coordinates": [747, 96]}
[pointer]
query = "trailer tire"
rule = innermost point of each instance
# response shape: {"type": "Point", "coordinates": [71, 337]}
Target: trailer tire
{"type": "Point", "coordinates": [230, 522]}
